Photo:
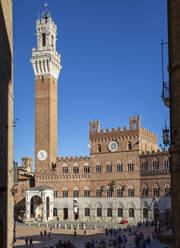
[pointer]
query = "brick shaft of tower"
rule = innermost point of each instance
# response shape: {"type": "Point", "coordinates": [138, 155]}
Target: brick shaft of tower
{"type": "Point", "coordinates": [46, 65]}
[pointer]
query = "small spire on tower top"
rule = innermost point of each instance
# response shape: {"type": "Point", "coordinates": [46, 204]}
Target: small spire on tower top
{"type": "Point", "coordinates": [46, 14]}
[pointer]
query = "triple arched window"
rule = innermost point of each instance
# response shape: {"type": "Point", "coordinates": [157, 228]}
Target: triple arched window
{"type": "Point", "coordinates": [109, 167]}
{"type": "Point", "coordinates": [131, 191]}
{"type": "Point", "coordinates": [166, 164]}
{"type": "Point", "coordinates": [75, 168]}
{"type": "Point", "coordinates": [65, 192]}
{"type": "Point", "coordinates": [145, 190]}
{"type": "Point", "coordinates": [65, 169]}
{"type": "Point", "coordinates": [167, 190]}
{"type": "Point", "coordinates": [130, 166]}
{"type": "Point", "coordinates": [119, 166]}
{"type": "Point", "coordinates": [156, 190]}
{"type": "Point", "coordinates": [75, 192]}
{"type": "Point", "coordinates": [86, 168]}
{"type": "Point", "coordinates": [155, 165]}
{"type": "Point", "coordinates": [98, 168]}
{"type": "Point", "coordinates": [99, 192]}
{"type": "Point", "coordinates": [144, 165]}
{"type": "Point", "coordinates": [86, 192]}
{"type": "Point", "coordinates": [119, 192]}
{"type": "Point", "coordinates": [109, 191]}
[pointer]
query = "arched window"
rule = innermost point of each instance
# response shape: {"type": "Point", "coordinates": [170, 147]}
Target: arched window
{"type": "Point", "coordinates": [65, 169]}
{"type": "Point", "coordinates": [109, 167]}
{"type": "Point", "coordinates": [75, 168]}
{"type": "Point", "coordinates": [109, 192]}
{"type": "Point", "coordinates": [98, 168]}
{"type": "Point", "coordinates": [86, 168]}
{"type": "Point", "coordinates": [155, 165]}
{"type": "Point", "coordinates": [144, 165]}
{"type": "Point", "coordinates": [131, 212]}
{"type": "Point", "coordinates": [86, 192]}
{"type": "Point", "coordinates": [156, 190]}
{"type": "Point", "coordinates": [109, 212]}
{"type": "Point", "coordinates": [43, 39]}
{"type": "Point", "coordinates": [166, 164]}
{"type": "Point", "coordinates": [99, 212]}
{"type": "Point", "coordinates": [130, 191]}
{"type": "Point", "coordinates": [98, 148]}
{"type": "Point", "coordinates": [120, 212]}
{"type": "Point", "coordinates": [129, 145]}
{"type": "Point", "coordinates": [75, 192]}
{"type": "Point", "coordinates": [145, 190]}
{"type": "Point", "coordinates": [87, 212]}
{"type": "Point", "coordinates": [145, 213]}
{"type": "Point", "coordinates": [119, 166]}
{"type": "Point", "coordinates": [130, 166]}
{"type": "Point", "coordinates": [167, 190]}
{"type": "Point", "coordinates": [98, 192]}
{"type": "Point", "coordinates": [119, 192]}
{"type": "Point", "coordinates": [65, 192]}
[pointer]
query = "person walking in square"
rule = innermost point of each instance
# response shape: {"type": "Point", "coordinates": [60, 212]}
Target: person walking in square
{"type": "Point", "coordinates": [124, 241]}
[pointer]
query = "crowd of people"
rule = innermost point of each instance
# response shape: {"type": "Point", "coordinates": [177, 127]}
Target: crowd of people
{"type": "Point", "coordinates": [114, 238]}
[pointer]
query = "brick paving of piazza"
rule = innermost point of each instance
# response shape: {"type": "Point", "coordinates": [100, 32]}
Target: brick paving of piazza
{"type": "Point", "coordinates": [27, 232]}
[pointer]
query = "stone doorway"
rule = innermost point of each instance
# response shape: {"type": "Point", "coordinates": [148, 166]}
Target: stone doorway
{"type": "Point", "coordinates": [156, 216]}
{"type": "Point", "coordinates": [65, 213]}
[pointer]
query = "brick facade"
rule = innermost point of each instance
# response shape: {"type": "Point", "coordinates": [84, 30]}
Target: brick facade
{"type": "Point", "coordinates": [113, 177]}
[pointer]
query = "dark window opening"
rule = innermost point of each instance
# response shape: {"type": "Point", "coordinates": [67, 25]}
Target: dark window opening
{"type": "Point", "coordinates": [129, 146]}
{"type": "Point", "coordinates": [120, 212]}
{"type": "Point", "coordinates": [131, 212]}
{"type": "Point", "coordinates": [99, 212]}
{"type": "Point", "coordinates": [44, 39]}
{"type": "Point", "coordinates": [109, 212]}
{"type": "Point", "coordinates": [87, 212]}
{"type": "Point", "coordinates": [99, 148]}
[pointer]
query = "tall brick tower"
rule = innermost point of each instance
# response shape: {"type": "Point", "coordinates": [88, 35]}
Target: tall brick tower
{"type": "Point", "coordinates": [46, 64]}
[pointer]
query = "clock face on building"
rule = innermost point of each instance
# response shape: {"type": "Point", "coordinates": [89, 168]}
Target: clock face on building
{"type": "Point", "coordinates": [113, 146]}
{"type": "Point", "coordinates": [42, 155]}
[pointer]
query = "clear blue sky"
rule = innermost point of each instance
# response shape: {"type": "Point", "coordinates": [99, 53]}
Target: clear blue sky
{"type": "Point", "coordinates": [111, 59]}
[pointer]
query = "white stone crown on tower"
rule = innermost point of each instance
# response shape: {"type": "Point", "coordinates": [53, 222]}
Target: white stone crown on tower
{"type": "Point", "coordinates": [46, 60]}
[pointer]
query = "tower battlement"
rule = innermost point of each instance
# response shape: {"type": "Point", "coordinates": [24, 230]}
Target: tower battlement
{"type": "Point", "coordinates": [72, 158]}
{"type": "Point", "coordinates": [134, 124]}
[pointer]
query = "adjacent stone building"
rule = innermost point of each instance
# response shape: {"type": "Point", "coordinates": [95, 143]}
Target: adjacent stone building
{"type": "Point", "coordinates": [174, 103]}
{"type": "Point", "coordinates": [6, 125]}
{"type": "Point", "coordinates": [24, 180]}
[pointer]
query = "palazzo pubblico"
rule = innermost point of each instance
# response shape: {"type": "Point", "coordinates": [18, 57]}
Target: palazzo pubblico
{"type": "Point", "coordinates": [126, 176]}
